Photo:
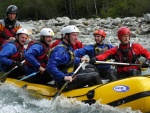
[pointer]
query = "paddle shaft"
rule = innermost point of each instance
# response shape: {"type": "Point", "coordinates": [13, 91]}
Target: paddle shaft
{"type": "Point", "coordinates": [32, 74]}
{"type": "Point", "coordinates": [116, 63]}
{"type": "Point", "coordinates": [11, 70]}
{"type": "Point", "coordinates": [72, 77]}
{"type": "Point", "coordinates": [63, 87]}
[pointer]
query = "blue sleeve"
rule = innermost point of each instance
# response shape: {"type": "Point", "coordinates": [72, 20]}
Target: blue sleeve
{"type": "Point", "coordinates": [8, 50]}
{"type": "Point", "coordinates": [110, 46]}
{"type": "Point", "coordinates": [57, 57]}
{"type": "Point", "coordinates": [77, 60]}
{"type": "Point", "coordinates": [33, 53]}
{"type": "Point", "coordinates": [87, 50]}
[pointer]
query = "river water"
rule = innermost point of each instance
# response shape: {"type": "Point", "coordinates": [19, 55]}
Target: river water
{"type": "Point", "coordinates": [17, 100]}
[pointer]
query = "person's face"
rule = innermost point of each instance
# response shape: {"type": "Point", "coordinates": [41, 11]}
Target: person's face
{"type": "Point", "coordinates": [98, 38]}
{"type": "Point", "coordinates": [125, 39]}
{"type": "Point", "coordinates": [48, 39]}
{"type": "Point", "coordinates": [22, 38]}
{"type": "Point", "coordinates": [12, 16]}
{"type": "Point", "coordinates": [73, 38]}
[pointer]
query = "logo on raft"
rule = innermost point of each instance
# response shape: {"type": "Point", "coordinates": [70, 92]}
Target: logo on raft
{"type": "Point", "coordinates": [121, 88]}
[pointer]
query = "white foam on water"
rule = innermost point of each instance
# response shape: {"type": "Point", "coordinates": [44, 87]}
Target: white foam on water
{"type": "Point", "coordinates": [17, 100]}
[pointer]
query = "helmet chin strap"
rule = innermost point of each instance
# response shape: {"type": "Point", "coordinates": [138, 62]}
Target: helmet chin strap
{"type": "Point", "coordinates": [42, 39]}
{"type": "Point", "coordinates": [68, 40]}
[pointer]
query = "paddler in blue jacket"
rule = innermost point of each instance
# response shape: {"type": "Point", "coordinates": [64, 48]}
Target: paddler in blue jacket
{"type": "Point", "coordinates": [99, 47]}
{"type": "Point", "coordinates": [62, 61]}
{"type": "Point", "coordinates": [12, 53]}
{"type": "Point", "coordinates": [36, 57]}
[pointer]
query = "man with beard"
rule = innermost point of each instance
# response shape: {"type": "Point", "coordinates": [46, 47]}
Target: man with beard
{"type": "Point", "coordinates": [36, 57]}
{"type": "Point", "coordinates": [12, 53]}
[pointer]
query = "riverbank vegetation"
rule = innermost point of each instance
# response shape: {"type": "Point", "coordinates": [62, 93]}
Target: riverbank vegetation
{"type": "Point", "coordinates": [46, 9]}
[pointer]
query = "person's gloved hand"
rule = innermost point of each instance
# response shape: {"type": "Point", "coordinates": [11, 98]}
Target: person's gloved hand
{"type": "Point", "coordinates": [68, 78]}
{"type": "Point", "coordinates": [93, 60]}
{"type": "Point", "coordinates": [12, 38]}
{"type": "Point", "coordinates": [146, 63]}
{"type": "Point", "coordinates": [16, 63]}
{"type": "Point", "coordinates": [84, 59]}
{"type": "Point", "coordinates": [41, 69]}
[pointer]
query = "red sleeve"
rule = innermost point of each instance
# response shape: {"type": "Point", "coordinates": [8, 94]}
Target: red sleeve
{"type": "Point", "coordinates": [140, 50]}
{"type": "Point", "coordinates": [78, 45]}
{"type": "Point", "coordinates": [55, 43]}
{"type": "Point", "coordinates": [107, 53]}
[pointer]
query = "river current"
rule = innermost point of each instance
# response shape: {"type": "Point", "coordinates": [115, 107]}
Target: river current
{"type": "Point", "coordinates": [17, 100]}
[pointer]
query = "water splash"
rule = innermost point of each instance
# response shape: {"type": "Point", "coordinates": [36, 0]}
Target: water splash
{"type": "Point", "coordinates": [17, 100]}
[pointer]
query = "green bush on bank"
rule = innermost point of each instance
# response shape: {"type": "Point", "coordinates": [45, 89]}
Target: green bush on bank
{"type": "Point", "coordinates": [46, 9]}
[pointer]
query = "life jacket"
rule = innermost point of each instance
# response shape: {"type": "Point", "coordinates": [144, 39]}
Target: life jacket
{"type": "Point", "coordinates": [19, 55]}
{"type": "Point", "coordinates": [67, 68]}
{"type": "Point", "coordinates": [78, 45]}
{"type": "Point", "coordinates": [126, 55]}
{"type": "Point", "coordinates": [41, 59]}
{"type": "Point", "coordinates": [55, 43]}
{"type": "Point", "coordinates": [99, 50]}
{"type": "Point", "coordinates": [5, 33]}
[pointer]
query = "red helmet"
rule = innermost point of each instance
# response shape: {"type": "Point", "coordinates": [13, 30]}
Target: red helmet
{"type": "Point", "coordinates": [123, 31]}
{"type": "Point", "coordinates": [100, 32]}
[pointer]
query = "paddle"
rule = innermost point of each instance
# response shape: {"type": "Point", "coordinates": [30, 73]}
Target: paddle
{"type": "Point", "coordinates": [116, 63]}
{"type": "Point", "coordinates": [63, 87]}
{"type": "Point", "coordinates": [30, 75]}
{"type": "Point", "coordinates": [3, 77]}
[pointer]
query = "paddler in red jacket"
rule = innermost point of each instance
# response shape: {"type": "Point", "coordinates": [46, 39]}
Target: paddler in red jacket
{"type": "Point", "coordinates": [126, 52]}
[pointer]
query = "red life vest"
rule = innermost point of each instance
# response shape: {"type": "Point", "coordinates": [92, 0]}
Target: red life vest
{"type": "Point", "coordinates": [77, 45]}
{"type": "Point", "coordinates": [9, 33]}
{"type": "Point", "coordinates": [125, 54]}
{"type": "Point", "coordinates": [6, 33]}
{"type": "Point", "coordinates": [19, 55]}
{"type": "Point", "coordinates": [41, 59]}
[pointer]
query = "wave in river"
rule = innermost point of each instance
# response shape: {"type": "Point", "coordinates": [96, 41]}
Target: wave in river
{"type": "Point", "coordinates": [17, 100]}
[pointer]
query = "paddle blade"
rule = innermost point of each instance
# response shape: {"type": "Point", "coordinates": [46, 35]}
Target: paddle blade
{"type": "Point", "coordinates": [2, 78]}
{"type": "Point", "coordinates": [55, 96]}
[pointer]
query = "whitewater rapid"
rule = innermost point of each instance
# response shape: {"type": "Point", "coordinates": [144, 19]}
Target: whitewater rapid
{"type": "Point", "coordinates": [17, 100]}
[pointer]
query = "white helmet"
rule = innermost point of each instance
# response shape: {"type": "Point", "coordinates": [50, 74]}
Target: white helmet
{"type": "Point", "coordinates": [46, 32]}
{"type": "Point", "coordinates": [22, 30]}
{"type": "Point", "coordinates": [69, 29]}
